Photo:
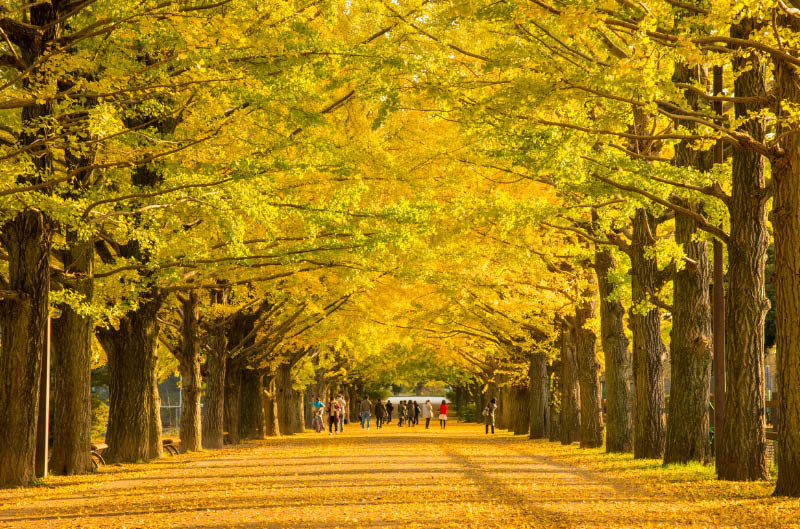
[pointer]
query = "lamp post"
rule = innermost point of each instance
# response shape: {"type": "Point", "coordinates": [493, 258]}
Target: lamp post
{"type": "Point", "coordinates": [43, 422]}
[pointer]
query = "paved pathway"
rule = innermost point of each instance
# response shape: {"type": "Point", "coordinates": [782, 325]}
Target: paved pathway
{"type": "Point", "coordinates": [380, 479]}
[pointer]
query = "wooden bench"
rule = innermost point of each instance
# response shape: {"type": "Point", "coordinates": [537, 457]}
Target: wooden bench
{"type": "Point", "coordinates": [170, 446]}
{"type": "Point", "coordinates": [96, 453]}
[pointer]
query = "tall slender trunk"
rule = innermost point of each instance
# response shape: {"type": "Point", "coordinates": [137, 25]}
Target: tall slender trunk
{"type": "Point", "coordinates": [285, 399]}
{"type": "Point", "coordinates": [555, 408]}
{"type": "Point", "coordinates": [504, 411]}
{"type": "Point", "coordinates": [588, 372]}
{"type": "Point", "coordinates": [271, 415]}
{"type": "Point", "coordinates": [479, 400]}
{"type": "Point", "coordinates": [23, 317]}
{"type": "Point", "coordinates": [154, 446]}
{"type": "Point", "coordinates": [619, 426]}
{"type": "Point", "coordinates": [296, 417]}
{"type": "Point", "coordinates": [232, 400]}
{"type": "Point", "coordinates": [251, 422]}
{"type": "Point", "coordinates": [72, 358]}
{"type": "Point", "coordinates": [191, 378]}
{"type": "Point", "coordinates": [786, 220]}
{"type": "Point", "coordinates": [522, 409]}
{"type": "Point", "coordinates": [690, 343]}
{"type": "Point", "coordinates": [742, 455]}
{"type": "Point", "coordinates": [132, 417]}
{"type": "Point", "coordinates": [569, 414]}
{"type": "Point", "coordinates": [648, 350]}
{"type": "Point", "coordinates": [213, 418]}
{"type": "Point", "coordinates": [540, 397]}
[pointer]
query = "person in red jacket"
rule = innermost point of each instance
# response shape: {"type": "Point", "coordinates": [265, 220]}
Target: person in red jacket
{"type": "Point", "coordinates": [443, 415]}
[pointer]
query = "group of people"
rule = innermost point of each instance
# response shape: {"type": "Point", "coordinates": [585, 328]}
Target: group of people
{"type": "Point", "coordinates": [408, 412]}
{"type": "Point", "coordinates": [333, 411]}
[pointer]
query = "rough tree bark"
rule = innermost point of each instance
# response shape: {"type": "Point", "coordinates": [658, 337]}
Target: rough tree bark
{"type": "Point", "coordinates": [522, 409]}
{"type": "Point", "coordinates": [23, 317]}
{"type": "Point", "coordinates": [191, 378]}
{"type": "Point", "coordinates": [504, 409]}
{"type": "Point", "coordinates": [213, 423]}
{"type": "Point", "coordinates": [690, 356]}
{"type": "Point", "coordinates": [619, 421]}
{"type": "Point", "coordinates": [132, 434]}
{"type": "Point", "coordinates": [555, 406]}
{"type": "Point", "coordinates": [72, 359]}
{"type": "Point", "coordinates": [232, 400]}
{"type": "Point", "coordinates": [26, 239]}
{"type": "Point", "coordinates": [648, 349]}
{"type": "Point", "coordinates": [786, 220]}
{"type": "Point", "coordinates": [540, 397]}
{"type": "Point", "coordinates": [742, 455]}
{"type": "Point", "coordinates": [569, 413]}
{"type": "Point", "coordinates": [251, 422]}
{"type": "Point", "coordinates": [285, 399]}
{"type": "Point", "coordinates": [591, 435]}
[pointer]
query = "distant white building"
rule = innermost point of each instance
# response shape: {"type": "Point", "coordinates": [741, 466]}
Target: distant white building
{"type": "Point", "coordinates": [436, 400]}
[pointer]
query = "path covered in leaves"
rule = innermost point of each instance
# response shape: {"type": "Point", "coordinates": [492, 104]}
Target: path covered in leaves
{"type": "Point", "coordinates": [396, 478]}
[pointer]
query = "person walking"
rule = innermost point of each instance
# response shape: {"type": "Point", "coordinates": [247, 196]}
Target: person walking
{"type": "Point", "coordinates": [333, 412]}
{"type": "Point", "coordinates": [427, 413]}
{"type": "Point", "coordinates": [401, 412]}
{"type": "Point", "coordinates": [389, 409]}
{"type": "Point", "coordinates": [380, 414]}
{"type": "Point", "coordinates": [443, 415]}
{"type": "Point", "coordinates": [488, 414]}
{"type": "Point", "coordinates": [342, 413]}
{"type": "Point", "coordinates": [366, 409]}
{"type": "Point", "coordinates": [317, 411]}
{"type": "Point", "coordinates": [417, 411]}
{"type": "Point", "coordinates": [410, 413]}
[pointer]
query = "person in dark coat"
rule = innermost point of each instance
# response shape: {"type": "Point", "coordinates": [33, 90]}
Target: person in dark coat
{"type": "Point", "coordinates": [417, 411]}
{"type": "Point", "coordinates": [380, 414]}
{"type": "Point", "coordinates": [389, 409]}
{"type": "Point", "coordinates": [488, 414]}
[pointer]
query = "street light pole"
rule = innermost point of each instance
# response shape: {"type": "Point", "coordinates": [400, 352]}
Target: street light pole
{"type": "Point", "coordinates": [43, 422]}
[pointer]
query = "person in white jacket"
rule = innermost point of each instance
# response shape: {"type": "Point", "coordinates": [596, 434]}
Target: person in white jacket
{"type": "Point", "coordinates": [427, 413]}
{"type": "Point", "coordinates": [343, 405]}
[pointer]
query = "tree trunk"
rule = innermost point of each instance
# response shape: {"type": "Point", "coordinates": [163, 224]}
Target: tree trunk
{"type": "Point", "coordinates": [232, 404]}
{"type": "Point", "coordinates": [742, 455]}
{"type": "Point", "coordinates": [540, 396]}
{"type": "Point", "coordinates": [271, 420]}
{"type": "Point", "coordinates": [690, 355]}
{"type": "Point", "coordinates": [251, 422]}
{"type": "Point", "coordinates": [504, 411]}
{"type": "Point", "coordinates": [155, 447]}
{"type": "Point", "coordinates": [786, 220]}
{"type": "Point", "coordinates": [191, 379]}
{"type": "Point", "coordinates": [522, 411]}
{"type": "Point", "coordinates": [648, 350]}
{"type": "Point", "coordinates": [285, 398]}
{"type": "Point", "coordinates": [213, 418]}
{"type": "Point", "coordinates": [296, 416]}
{"type": "Point", "coordinates": [555, 408]}
{"type": "Point", "coordinates": [23, 317]}
{"type": "Point", "coordinates": [588, 372]}
{"type": "Point", "coordinates": [569, 413]}
{"type": "Point", "coordinates": [131, 350]}
{"type": "Point", "coordinates": [479, 400]}
{"type": "Point", "coordinates": [619, 427]}
{"type": "Point", "coordinates": [72, 364]}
